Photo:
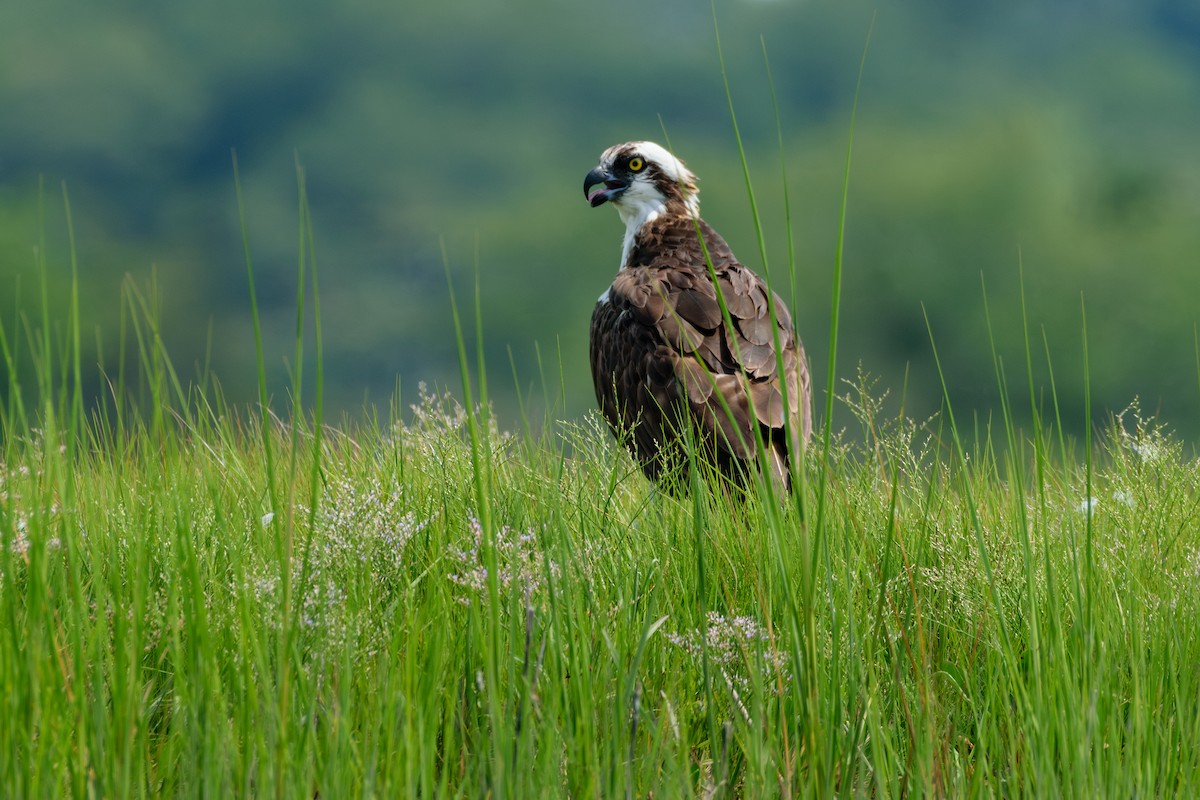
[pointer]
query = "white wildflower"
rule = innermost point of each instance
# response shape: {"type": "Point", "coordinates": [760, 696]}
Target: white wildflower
{"type": "Point", "coordinates": [733, 643]}
{"type": "Point", "coordinates": [519, 562]}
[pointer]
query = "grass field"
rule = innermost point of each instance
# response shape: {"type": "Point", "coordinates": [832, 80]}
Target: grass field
{"type": "Point", "coordinates": [203, 600]}
{"type": "Point", "coordinates": [199, 601]}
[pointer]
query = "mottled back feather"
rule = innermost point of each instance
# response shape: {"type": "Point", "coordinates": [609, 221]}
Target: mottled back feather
{"type": "Point", "coordinates": [663, 358]}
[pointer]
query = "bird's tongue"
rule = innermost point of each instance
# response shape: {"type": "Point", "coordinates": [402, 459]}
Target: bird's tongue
{"type": "Point", "coordinates": [598, 189]}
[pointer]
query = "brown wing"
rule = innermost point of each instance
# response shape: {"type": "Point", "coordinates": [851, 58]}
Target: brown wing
{"type": "Point", "coordinates": [682, 362]}
{"type": "Point", "coordinates": [635, 384]}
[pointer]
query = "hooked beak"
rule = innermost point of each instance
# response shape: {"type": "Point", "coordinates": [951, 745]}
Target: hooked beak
{"type": "Point", "coordinates": [599, 186]}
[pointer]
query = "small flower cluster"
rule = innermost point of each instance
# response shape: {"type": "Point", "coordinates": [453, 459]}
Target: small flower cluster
{"type": "Point", "coordinates": [519, 560]}
{"type": "Point", "coordinates": [321, 600]}
{"type": "Point", "coordinates": [1144, 438]}
{"type": "Point", "coordinates": [440, 417]}
{"type": "Point", "coordinates": [20, 541]}
{"type": "Point", "coordinates": [437, 412]}
{"type": "Point", "coordinates": [359, 537]}
{"type": "Point", "coordinates": [732, 644]}
{"type": "Point", "coordinates": [1193, 562]}
{"type": "Point", "coordinates": [363, 521]}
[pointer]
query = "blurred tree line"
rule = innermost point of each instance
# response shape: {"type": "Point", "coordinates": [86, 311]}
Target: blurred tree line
{"type": "Point", "coordinates": [1048, 146]}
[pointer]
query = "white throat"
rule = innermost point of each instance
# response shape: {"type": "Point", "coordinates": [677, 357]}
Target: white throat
{"type": "Point", "coordinates": [638, 207]}
{"type": "Point", "coordinates": [637, 212]}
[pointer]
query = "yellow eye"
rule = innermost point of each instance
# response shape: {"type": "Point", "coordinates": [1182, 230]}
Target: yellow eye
{"type": "Point", "coordinates": [636, 164]}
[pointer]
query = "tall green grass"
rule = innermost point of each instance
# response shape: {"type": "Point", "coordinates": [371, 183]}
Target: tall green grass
{"type": "Point", "coordinates": [204, 600]}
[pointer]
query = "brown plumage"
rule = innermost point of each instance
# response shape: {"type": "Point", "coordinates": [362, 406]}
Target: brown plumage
{"type": "Point", "coordinates": [662, 356]}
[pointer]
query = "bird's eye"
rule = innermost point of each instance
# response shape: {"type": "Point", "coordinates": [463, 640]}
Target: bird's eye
{"type": "Point", "coordinates": [636, 164]}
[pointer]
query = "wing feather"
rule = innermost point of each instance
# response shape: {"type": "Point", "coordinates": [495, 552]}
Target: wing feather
{"type": "Point", "coordinates": [692, 367]}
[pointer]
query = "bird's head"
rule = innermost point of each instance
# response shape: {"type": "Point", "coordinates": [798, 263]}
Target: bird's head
{"type": "Point", "coordinates": [642, 179]}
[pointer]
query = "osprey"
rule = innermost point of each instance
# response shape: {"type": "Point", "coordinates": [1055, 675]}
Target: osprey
{"type": "Point", "coordinates": [665, 363]}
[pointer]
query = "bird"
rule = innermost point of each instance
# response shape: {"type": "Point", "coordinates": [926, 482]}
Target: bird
{"type": "Point", "coordinates": [667, 364]}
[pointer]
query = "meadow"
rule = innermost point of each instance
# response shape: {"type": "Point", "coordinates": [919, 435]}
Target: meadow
{"type": "Point", "coordinates": [204, 600]}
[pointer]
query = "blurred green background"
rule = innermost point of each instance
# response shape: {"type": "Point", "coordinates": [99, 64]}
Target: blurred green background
{"type": "Point", "coordinates": [1058, 135]}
